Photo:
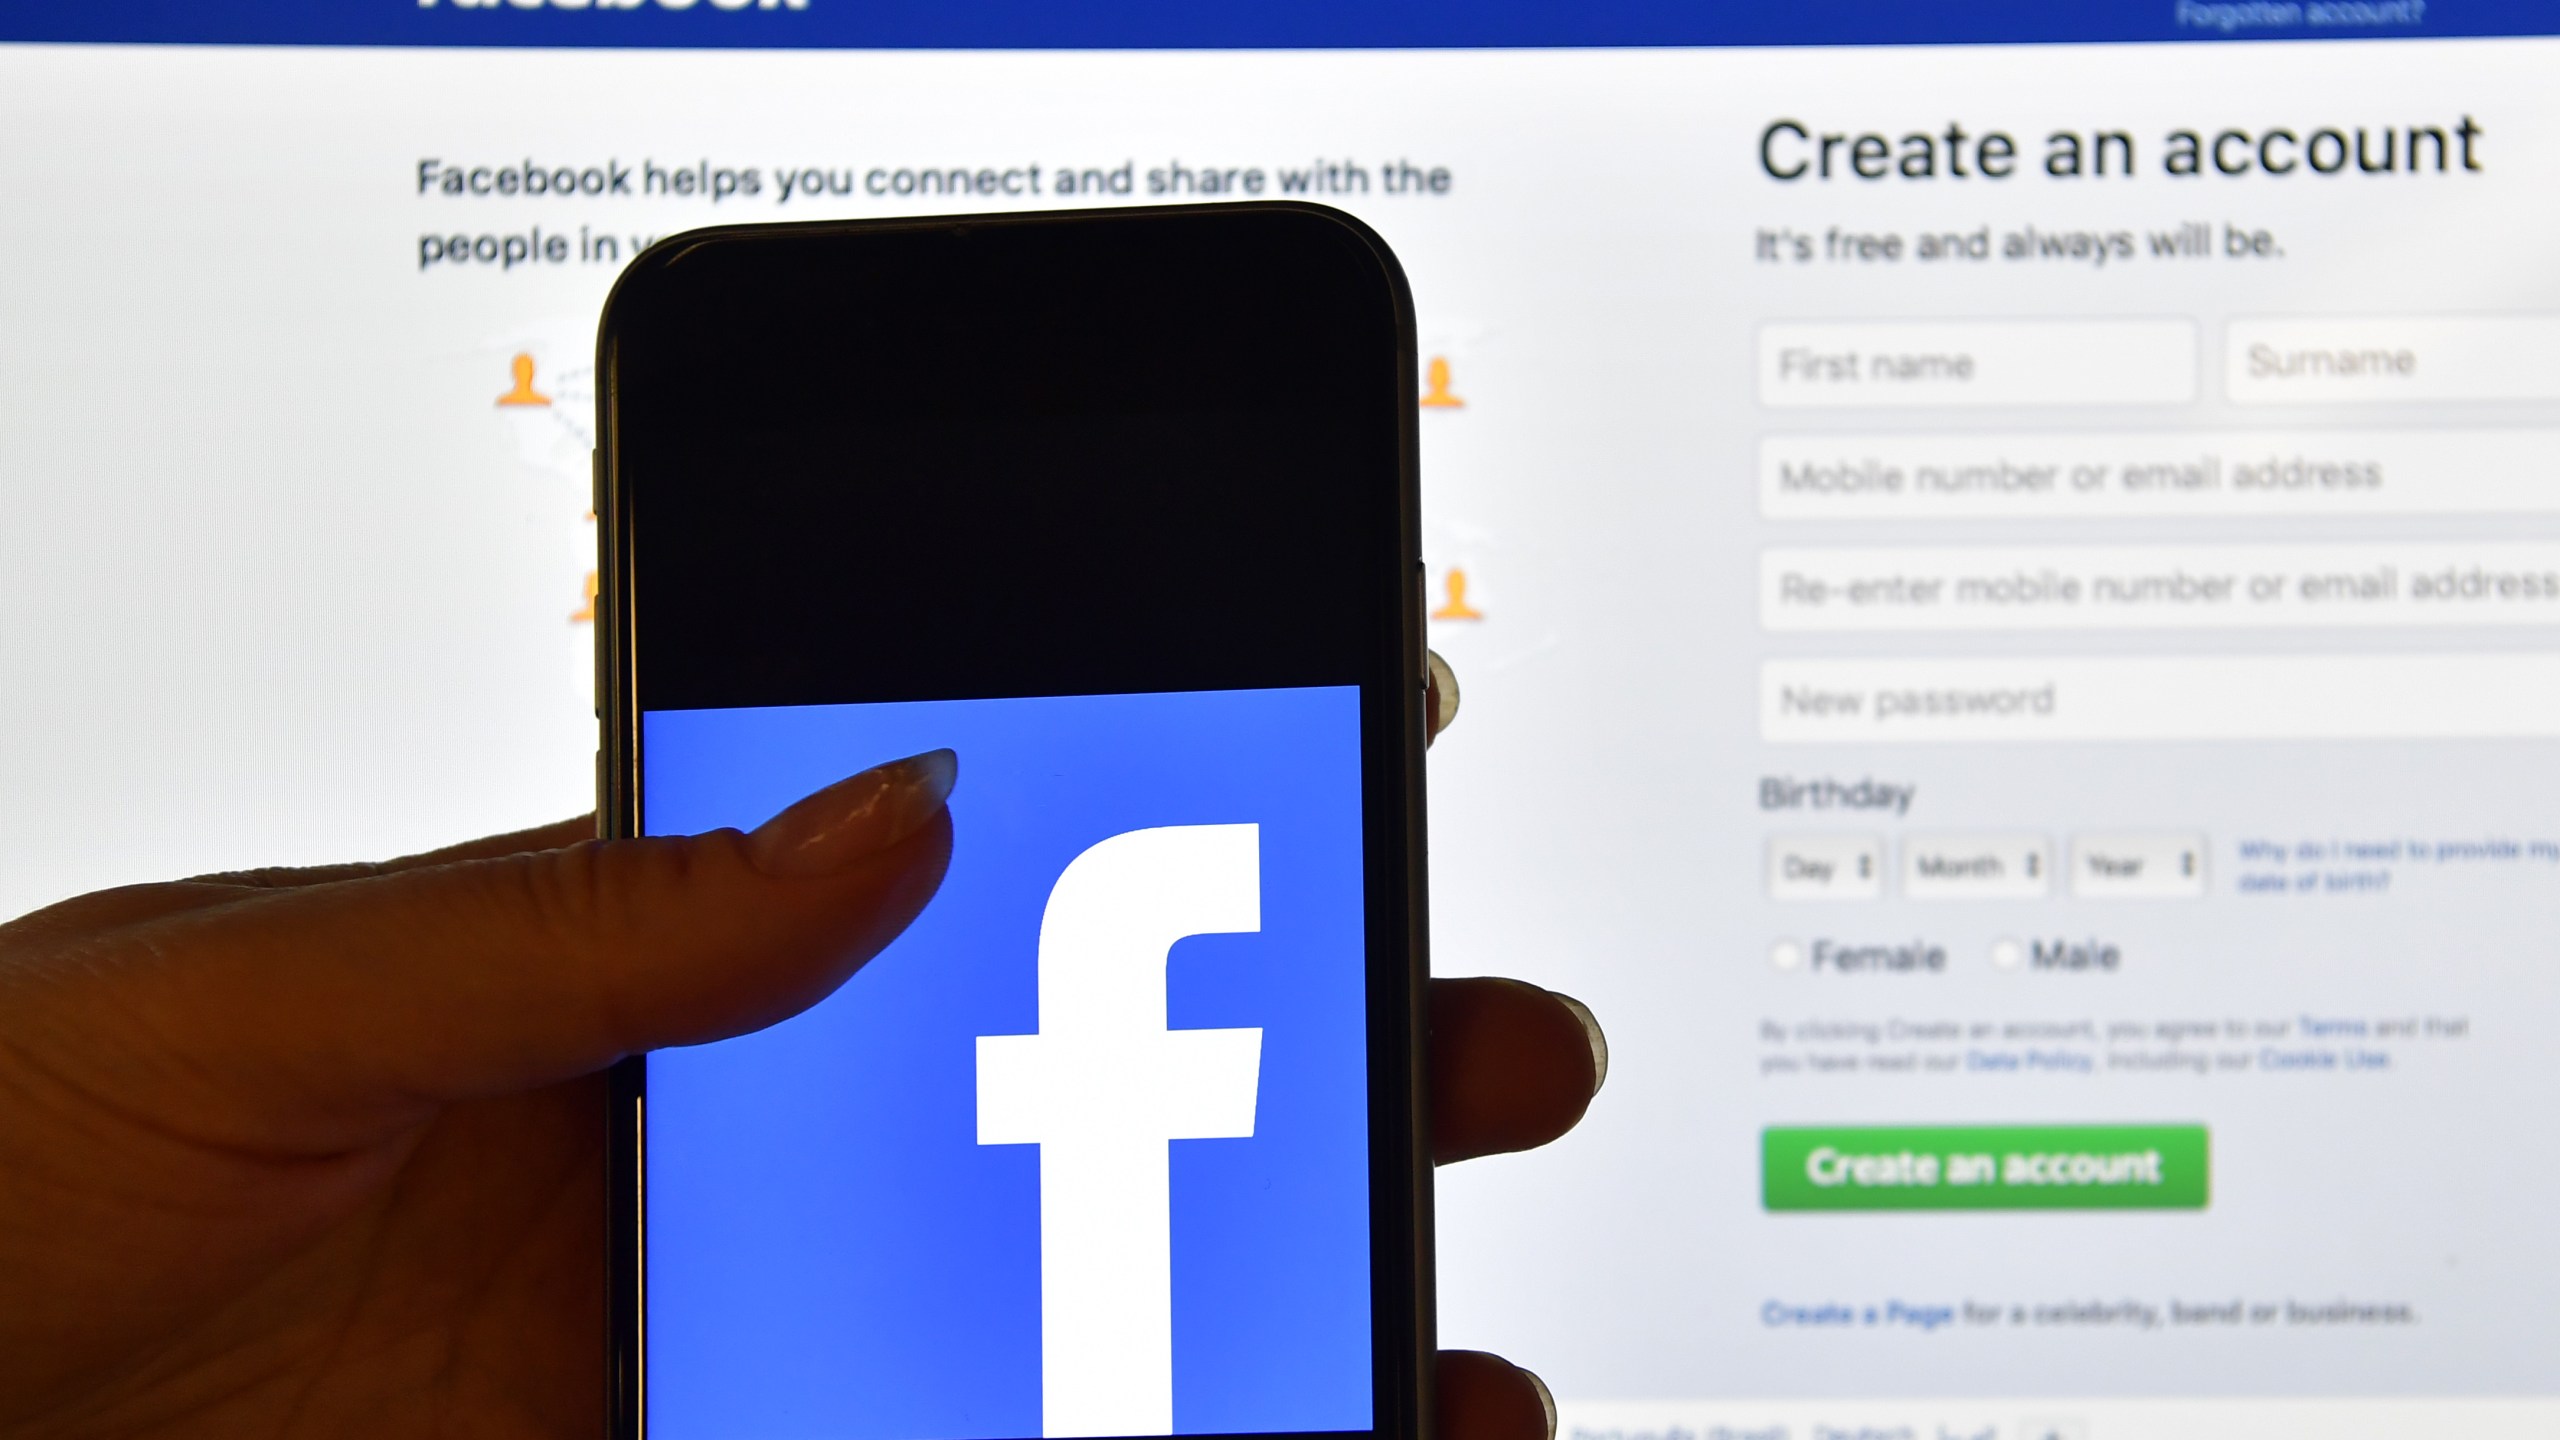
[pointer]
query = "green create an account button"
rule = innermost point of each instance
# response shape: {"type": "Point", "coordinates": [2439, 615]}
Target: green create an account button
{"type": "Point", "coordinates": [1984, 1167]}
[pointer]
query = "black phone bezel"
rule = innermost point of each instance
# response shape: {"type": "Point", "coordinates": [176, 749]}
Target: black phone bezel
{"type": "Point", "coordinates": [1393, 681]}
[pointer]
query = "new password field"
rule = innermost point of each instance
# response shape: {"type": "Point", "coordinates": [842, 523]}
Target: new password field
{"type": "Point", "coordinates": [1954, 363]}
{"type": "Point", "coordinates": [2427, 696]}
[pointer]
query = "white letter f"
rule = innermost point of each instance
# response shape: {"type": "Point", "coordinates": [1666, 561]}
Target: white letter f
{"type": "Point", "coordinates": [1100, 1090]}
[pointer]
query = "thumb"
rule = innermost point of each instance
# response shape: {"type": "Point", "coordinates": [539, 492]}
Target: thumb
{"type": "Point", "coordinates": [319, 1017]}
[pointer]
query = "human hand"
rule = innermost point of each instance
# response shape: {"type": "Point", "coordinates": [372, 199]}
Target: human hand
{"type": "Point", "coordinates": [321, 1152]}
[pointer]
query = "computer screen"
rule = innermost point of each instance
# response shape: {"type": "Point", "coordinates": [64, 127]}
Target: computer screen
{"type": "Point", "coordinates": [2003, 560]}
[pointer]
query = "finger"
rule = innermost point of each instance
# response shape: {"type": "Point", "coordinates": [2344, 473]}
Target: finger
{"type": "Point", "coordinates": [1440, 695]}
{"type": "Point", "coordinates": [1485, 1397]}
{"type": "Point", "coordinates": [285, 877]}
{"type": "Point", "coordinates": [133, 904]}
{"type": "Point", "coordinates": [81, 916]}
{"type": "Point", "coordinates": [339, 1011]}
{"type": "Point", "coordinates": [1512, 1066]}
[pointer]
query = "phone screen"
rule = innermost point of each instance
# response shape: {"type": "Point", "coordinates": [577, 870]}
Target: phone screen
{"type": "Point", "coordinates": [1082, 1153]}
{"type": "Point", "coordinates": [1116, 1139]}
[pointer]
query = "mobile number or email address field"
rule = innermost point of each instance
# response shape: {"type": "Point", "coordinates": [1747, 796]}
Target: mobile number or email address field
{"type": "Point", "coordinates": [2160, 474]}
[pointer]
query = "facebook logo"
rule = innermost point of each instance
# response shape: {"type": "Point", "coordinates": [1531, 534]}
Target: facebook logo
{"type": "Point", "coordinates": [1084, 1153]}
{"type": "Point", "coordinates": [1100, 1090]}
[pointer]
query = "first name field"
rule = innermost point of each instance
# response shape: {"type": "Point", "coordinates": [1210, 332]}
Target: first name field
{"type": "Point", "coordinates": [1927, 363]}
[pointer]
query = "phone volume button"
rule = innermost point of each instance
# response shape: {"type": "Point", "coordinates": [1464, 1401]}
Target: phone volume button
{"type": "Point", "coordinates": [595, 512]}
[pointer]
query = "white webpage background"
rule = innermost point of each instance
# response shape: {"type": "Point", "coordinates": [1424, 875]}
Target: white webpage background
{"type": "Point", "coordinates": [282, 585]}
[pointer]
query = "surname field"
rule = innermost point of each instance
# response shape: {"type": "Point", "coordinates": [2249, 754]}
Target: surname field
{"type": "Point", "coordinates": [2320, 360]}
{"type": "Point", "coordinates": [2499, 695]}
{"type": "Point", "coordinates": [1908, 363]}
{"type": "Point", "coordinates": [2163, 473]}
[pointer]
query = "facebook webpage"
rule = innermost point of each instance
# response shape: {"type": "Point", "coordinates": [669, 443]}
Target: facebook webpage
{"type": "Point", "coordinates": [2005, 594]}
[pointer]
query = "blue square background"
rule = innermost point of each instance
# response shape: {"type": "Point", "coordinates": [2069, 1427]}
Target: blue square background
{"type": "Point", "coordinates": [830, 1251]}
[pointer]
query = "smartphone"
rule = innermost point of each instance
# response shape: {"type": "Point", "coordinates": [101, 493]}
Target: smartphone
{"type": "Point", "coordinates": [1121, 507]}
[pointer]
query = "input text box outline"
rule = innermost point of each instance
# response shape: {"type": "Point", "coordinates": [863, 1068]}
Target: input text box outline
{"type": "Point", "coordinates": [2193, 339]}
{"type": "Point", "coordinates": [2293, 615]}
{"type": "Point", "coordinates": [2233, 380]}
{"type": "Point", "coordinates": [2522, 688]}
{"type": "Point", "coordinates": [1778, 507]}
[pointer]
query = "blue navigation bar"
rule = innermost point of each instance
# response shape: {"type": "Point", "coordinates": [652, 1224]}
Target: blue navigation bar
{"type": "Point", "coordinates": [1259, 25]}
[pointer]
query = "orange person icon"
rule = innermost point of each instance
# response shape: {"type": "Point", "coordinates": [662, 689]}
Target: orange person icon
{"type": "Point", "coordinates": [587, 612]}
{"type": "Point", "coordinates": [1456, 606]}
{"type": "Point", "coordinates": [1435, 386]}
{"type": "Point", "coordinates": [523, 393]}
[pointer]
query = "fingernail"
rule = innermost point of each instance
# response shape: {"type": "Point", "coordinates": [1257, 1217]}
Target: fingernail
{"type": "Point", "coordinates": [855, 817]}
{"type": "Point", "coordinates": [1599, 1051]}
{"type": "Point", "coordinates": [1546, 1397]}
